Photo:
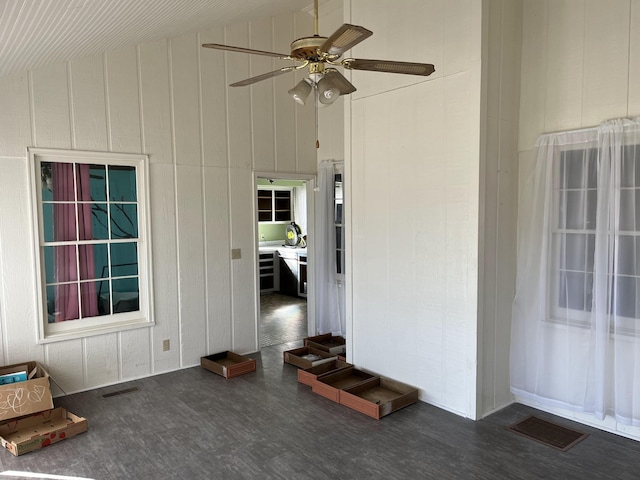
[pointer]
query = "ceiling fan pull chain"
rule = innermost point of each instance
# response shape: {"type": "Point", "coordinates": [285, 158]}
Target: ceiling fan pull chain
{"type": "Point", "coordinates": [316, 107]}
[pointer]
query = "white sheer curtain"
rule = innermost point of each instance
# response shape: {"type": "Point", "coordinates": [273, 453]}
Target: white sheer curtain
{"type": "Point", "coordinates": [300, 207]}
{"type": "Point", "coordinates": [576, 314]}
{"type": "Point", "coordinates": [329, 317]}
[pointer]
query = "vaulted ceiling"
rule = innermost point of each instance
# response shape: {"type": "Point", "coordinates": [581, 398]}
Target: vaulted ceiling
{"type": "Point", "coordinates": [38, 32]}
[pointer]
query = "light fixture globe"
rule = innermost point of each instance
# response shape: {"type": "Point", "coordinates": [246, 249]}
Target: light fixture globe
{"type": "Point", "coordinates": [300, 92]}
{"type": "Point", "coordinates": [327, 91]}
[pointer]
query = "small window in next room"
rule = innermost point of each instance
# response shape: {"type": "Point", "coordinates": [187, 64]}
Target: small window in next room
{"type": "Point", "coordinates": [92, 238]}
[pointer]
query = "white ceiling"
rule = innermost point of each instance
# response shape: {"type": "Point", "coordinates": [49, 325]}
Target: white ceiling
{"type": "Point", "coordinates": [38, 32]}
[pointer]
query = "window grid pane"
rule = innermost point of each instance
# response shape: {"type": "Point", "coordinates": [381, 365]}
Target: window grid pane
{"type": "Point", "coordinates": [573, 239]}
{"type": "Point", "coordinates": [71, 270]}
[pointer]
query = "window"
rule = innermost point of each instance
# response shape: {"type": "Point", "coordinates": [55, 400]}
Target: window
{"type": "Point", "coordinates": [93, 242]}
{"type": "Point", "coordinates": [339, 222]}
{"type": "Point", "coordinates": [274, 205]}
{"type": "Point", "coordinates": [574, 231]}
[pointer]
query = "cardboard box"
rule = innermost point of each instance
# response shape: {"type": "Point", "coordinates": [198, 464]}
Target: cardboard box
{"type": "Point", "coordinates": [327, 342]}
{"type": "Point", "coordinates": [307, 357]}
{"type": "Point", "coordinates": [378, 396]}
{"type": "Point", "coordinates": [228, 364]}
{"type": "Point", "coordinates": [308, 375]}
{"type": "Point", "coordinates": [38, 430]}
{"type": "Point", "coordinates": [26, 397]}
{"type": "Point", "coordinates": [329, 384]}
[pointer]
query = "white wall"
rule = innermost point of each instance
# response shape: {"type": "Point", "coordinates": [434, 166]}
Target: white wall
{"type": "Point", "coordinates": [580, 66]}
{"type": "Point", "coordinates": [168, 99]}
{"type": "Point", "coordinates": [502, 21]}
{"type": "Point", "coordinates": [413, 170]}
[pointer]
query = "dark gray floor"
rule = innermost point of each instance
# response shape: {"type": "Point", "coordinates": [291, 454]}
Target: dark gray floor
{"type": "Point", "coordinates": [193, 424]}
{"type": "Point", "coordinates": [282, 319]}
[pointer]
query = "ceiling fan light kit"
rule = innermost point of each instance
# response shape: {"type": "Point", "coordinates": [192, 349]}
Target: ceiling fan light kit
{"type": "Point", "coordinates": [319, 55]}
{"type": "Point", "coordinates": [301, 91]}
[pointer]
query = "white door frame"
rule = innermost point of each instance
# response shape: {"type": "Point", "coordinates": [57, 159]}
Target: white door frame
{"type": "Point", "coordinates": [311, 284]}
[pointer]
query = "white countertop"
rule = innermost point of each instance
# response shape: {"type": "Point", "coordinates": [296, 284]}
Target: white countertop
{"type": "Point", "coordinates": [279, 247]}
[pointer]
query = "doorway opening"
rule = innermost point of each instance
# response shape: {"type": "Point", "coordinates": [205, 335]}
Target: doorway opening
{"type": "Point", "coordinates": [284, 218]}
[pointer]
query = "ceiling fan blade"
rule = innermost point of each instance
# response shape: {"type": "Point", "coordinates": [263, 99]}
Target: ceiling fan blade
{"type": "Point", "coordinates": [344, 38]}
{"type": "Point", "coordinates": [219, 46]}
{"type": "Point", "coordinates": [390, 66]}
{"type": "Point", "coordinates": [264, 76]}
{"type": "Point", "coordinates": [340, 82]}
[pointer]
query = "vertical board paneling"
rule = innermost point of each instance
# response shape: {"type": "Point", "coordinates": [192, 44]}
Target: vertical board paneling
{"type": "Point", "coordinates": [304, 126]}
{"type": "Point", "coordinates": [633, 109]}
{"type": "Point", "coordinates": [135, 355]}
{"type": "Point", "coordinates": [87, 94]}
{"type": "Point", "coordinates": [186, 100]}
{"type": "Point", "coordinates": [497, 182]}
{"type": "Point", "coordinates": [239, 99]}
{"type": "Point", "coordinates": [191, 263]}
{"type": "Point", "coordinates": [397, 33]}
{"type": "Point", "coordinates": [51, 107]}
{"type": "Point", "coordinates": [431, 232]}
{"type": "Point", "coordinates": [565, 66]}
{"type": "Point", "coordinates": [430, 173]}
{"type": "Point", "coordinates": [534, 72]}
{"type": "Point", "coordinates": [65, 363]}
{"type": "Point", "coordinates": [511, 55]}
{"type": "Point", "coordinates": [156, 107]}
{"type": "Point", "coordinates": [165, 267]}
{"type": "Point", "coordinates": [18, 276]}
{"type": "Point", "coordinates": [506, 248]}
{"type": "Point", "coordinates": [285, 119]}
{"type": "Point", "coordinates": [330, 120]}
{"type": "Point", "coordinates": [493, 61]}
{"type": "Point", "coordinates": [355, 168]}
{"type": "Point", "coordinates": [123, 100]}
{"type": "Point", "coordinates": [242, 237]}
{"type": "Point", "coordinates": [15, 117]}
{"type": "Point", "coordinates": [214, 100]}
{"type": "Point", "coordinates": [372, 333]}
{"type": "Point", "coordinates": [459, 45]}
{"type": "Point", "coordinates": [606, 57]}
{"type": "Point", "coordinates": [218, 272]}
{"type": "Point", "coordinates": [102, 361]}
{"type": "Point", "coordinates": [490, 256]}
{"type": "Point", "coordinates": [262, 101]}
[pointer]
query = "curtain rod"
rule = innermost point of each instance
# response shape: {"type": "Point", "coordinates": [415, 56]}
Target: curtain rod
{"type": "Point", "coordinates": [594, 127]}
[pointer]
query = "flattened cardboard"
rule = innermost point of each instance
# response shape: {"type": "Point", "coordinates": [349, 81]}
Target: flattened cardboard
{"type": "Point", "coordinates": [24, 398]}
{"type": "Point", "coordinates": [228, 364]}
{"type": "Point", "coordinates": [327, 342]}
{"type": "Point", "coordinates": [378, 396]}
{"type": "Point", "coordinates": [308, 375]}
{"type": "Point", "coordinates": [38, 430]}
{"type": "Point", "coordinates": [329, 384]}
{"type": "Point", "coordinates": [300, 357]}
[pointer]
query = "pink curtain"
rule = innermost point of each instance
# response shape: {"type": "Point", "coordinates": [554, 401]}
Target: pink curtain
{"type": "Point", "coordinates": [66, 268]}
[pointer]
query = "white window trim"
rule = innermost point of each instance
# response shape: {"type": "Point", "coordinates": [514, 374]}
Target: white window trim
{"type": "Point", "coordinates": [48, 333]}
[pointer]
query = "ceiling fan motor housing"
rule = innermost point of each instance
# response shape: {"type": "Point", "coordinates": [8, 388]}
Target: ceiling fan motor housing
{"type": "Point", "coordinates": [307, 48]}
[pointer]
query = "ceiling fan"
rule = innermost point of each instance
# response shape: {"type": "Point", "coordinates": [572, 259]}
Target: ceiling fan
{"type": "Point", "coordinates": [320, 55]}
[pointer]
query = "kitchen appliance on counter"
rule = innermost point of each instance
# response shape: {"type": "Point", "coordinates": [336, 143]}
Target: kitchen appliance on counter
{"type": "Point", "coordinates": [294, 237]}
